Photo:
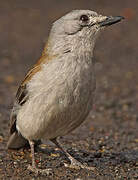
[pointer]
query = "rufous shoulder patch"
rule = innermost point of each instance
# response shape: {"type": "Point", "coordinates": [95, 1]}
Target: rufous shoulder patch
{"type": "Point", "coordinates": [45, 58]}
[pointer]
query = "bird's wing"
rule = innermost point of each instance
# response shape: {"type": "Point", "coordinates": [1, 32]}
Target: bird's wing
{"type": "Point", "coordinates": [22, 96]}
{"type": "Point", "coordinates": [16, 140]}
{"type": "Point", "coordinates": [22, 93]}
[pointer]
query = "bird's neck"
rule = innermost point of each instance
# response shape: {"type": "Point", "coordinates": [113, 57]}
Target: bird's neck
{"type": "Point", "coordinates": [59, 45]}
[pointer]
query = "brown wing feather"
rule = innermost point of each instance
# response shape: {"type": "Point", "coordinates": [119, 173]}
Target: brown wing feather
{"type": "Point", "coordinates": [22, 93]}
{"type": "Point", "coordinates": [16, 140]}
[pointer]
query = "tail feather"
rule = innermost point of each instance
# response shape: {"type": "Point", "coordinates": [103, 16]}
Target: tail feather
{"type": "Point", "coordinates": [17, 141]}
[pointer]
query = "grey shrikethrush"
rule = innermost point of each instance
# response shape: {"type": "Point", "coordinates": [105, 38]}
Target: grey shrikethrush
{"type": "Point", "coordinates": [57, 94]}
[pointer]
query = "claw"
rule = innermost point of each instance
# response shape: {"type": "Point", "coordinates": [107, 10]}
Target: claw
{"type": "Point", "coordinates": [77, 165]}
{"type": "Point", "coordinates": [74, 163]}
{"type": "Point", "coordinates": [39, 171]}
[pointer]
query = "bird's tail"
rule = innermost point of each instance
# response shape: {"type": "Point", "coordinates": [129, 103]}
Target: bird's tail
{"type": "Point", "coordinates": [17, 141]}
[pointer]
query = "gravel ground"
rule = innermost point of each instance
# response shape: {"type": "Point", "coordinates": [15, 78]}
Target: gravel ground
{"type": "Point", "coordinates": [108, 140]}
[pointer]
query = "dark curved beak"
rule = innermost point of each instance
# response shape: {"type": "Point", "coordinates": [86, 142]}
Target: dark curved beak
{"type": "Point", "coordinates": [111, 20]}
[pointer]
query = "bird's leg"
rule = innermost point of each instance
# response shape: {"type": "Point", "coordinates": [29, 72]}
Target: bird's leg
{"type": "Point", "coordinates": [33, 168]}
{"type": "Point", "coordinates": [74, 163]}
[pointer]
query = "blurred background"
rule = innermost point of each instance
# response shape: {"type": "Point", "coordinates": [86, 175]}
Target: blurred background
{"type": "Point", "coordinates": [24, 28]}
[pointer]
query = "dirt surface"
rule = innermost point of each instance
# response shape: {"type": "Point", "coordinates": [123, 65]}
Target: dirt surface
{"type": "Point", "coordinates": [108, 140]}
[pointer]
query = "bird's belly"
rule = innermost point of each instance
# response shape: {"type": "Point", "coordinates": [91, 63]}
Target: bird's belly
{"type": "Point", "coordinates": [66, 117]}
{"type": "Point", "coordinates": [55, 113]}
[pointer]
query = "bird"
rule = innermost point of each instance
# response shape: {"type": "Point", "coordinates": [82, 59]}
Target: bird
{"type": "Point", "coordinates": [57, 94]}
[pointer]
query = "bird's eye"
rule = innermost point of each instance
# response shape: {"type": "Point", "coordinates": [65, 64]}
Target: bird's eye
{"type": "Point", "coordinates": [84, 18]}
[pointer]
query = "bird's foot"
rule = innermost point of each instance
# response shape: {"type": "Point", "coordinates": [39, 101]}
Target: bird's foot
{"type": "Point", "coordinates": [38, 171]}
{"type": "Point", "coordinates": [77, 165]}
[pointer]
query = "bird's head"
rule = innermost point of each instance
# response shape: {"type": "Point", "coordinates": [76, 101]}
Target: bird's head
{"type": "Point", "coordinates": [78, 28]}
